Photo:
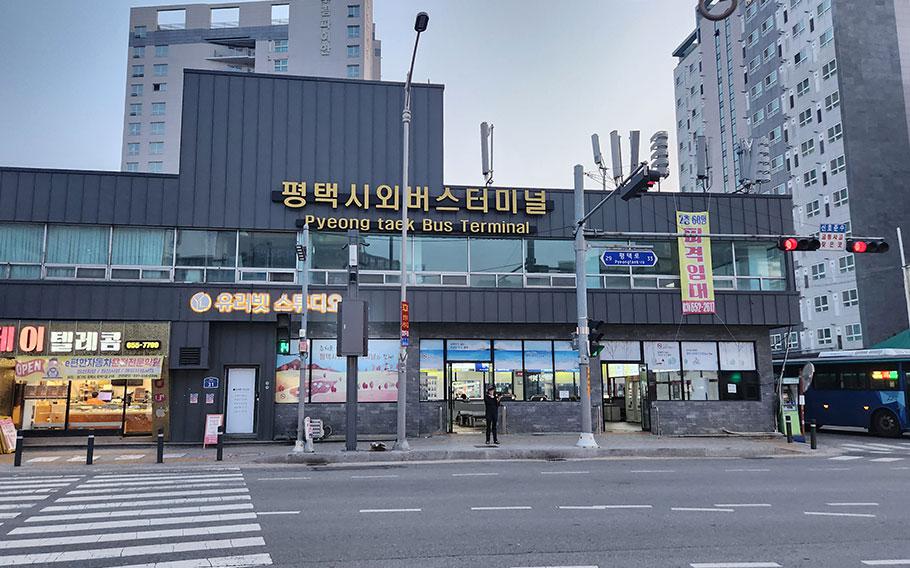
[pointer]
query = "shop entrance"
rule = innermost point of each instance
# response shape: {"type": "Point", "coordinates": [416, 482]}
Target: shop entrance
{"type": "Point", "coordinates": [465, 383]}
{"type": "Point", "coordinates": [625, 397]}
{"type": "Point", "coordinates": [240, 407]}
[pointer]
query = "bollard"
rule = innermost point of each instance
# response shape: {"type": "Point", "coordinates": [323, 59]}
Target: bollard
{"type": "Point", "coordinates": [90, 450]}
{"type": "Point", "coordinates": [813, 443]}
{"type": "Point", "coordinates": [789, 428]}
{"type": "Point", "coordinates": [160, 458]}
{"type": "Point", "coordinates": [17, 459]}
{"type": "Point", "coordinates": [219, 446]}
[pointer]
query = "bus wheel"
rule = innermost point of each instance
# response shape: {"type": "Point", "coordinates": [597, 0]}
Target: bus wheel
{"type": "Point", "coordinates": [886, 424]}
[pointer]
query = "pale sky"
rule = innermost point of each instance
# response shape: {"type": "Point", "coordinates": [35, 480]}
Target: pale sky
{"type": "Point", "coordinates": [546, 73]}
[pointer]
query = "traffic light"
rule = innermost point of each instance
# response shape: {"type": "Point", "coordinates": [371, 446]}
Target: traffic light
{"type": "Point", "coordinates": [861, 246]}
{"type": "Point", "coordinates": [640, 181]}
{"type": "Point", "coordinates": [660, 153]}
{"type": "Point", "coordinates": [284, 334]}
{"type": "Point", "coordinates": [595, 336]}
{"type": "Point", "coordinates": [791, 244]}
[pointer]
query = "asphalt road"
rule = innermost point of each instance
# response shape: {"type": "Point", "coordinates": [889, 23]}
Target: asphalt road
{"type": "Point", "coordinates": [705, 513]}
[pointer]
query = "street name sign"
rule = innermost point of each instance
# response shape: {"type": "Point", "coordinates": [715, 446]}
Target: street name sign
{"type": "Point", "coordinates": [628, 258]}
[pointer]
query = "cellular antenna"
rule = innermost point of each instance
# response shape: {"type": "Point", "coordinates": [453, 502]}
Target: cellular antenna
{"type": "Point", "coordinates": [486, 152]}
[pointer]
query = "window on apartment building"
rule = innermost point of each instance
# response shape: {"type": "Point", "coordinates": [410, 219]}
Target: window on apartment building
{"type": "Point", "coordinates": [172, 19]}
{"type": "Point", "coordinates": [818, 271]}
{"type": "Point", "coordinates": [807, 147]}
{"type": "Point", "coordinates": [777, 163]}
{"type": "Point", "coordinates": [160, 70]}
{"type": "Point", "coordinates": [280, 46]}
{"type": "Point", "coordinates": [132, 149]}
{"type": "Point", "coordinates": [158, 109]}
{"type": "Point", "coordinates": [756, 61]}
{"type": "Point", "coordinates": [751, 10]}
{"type": "Point", "coordinates": [134, 129]}
{"type": "Point", "coordinates": [849, 228]}
{"type": "Point", "coordinates": [159, 87]}
{"type": "Point", "coordinates": [156, 128]}
{"type": "Point", "coordinates": [802, 87]}
{"type": "Point", "coordinates": [161, 51]}
{"type": "Point", "coordinates": [854, 332]}
{"type": "Point", "coordinates": [821, 303]}
{"type": "Point", "coordinates": [353, 10]}
{"type": "Point", "coordinates": [798, 28]}
{"type": "Point", "coordinates": [156, 148]}
{"type": "Point", "coordinates": [777, 341]}
{"type": "Point", "coordinates": [752, 39]}
{"type": "Point", "coordinates": [780, 189]}
{"type": "Point", "coordinates": [353, 71]}
{"type": "Point", "coordinates": [810, 178]}
{"type": "Point", "coordinates": [281, 65]}
{"type": "Point", "coordinates": [756, 91]}
{"type": "Point", "coordinates": [136, 90]}
{"type": "Point", "coordinates": [767, 25]}
{"type": "Point", "coordinates": [156, 167]}
{"type": "Point", "coordinates": [132, 166]}
{"type": "Point", "coordinates": [832, 101]}
{"type": "Point", "coordinates": [758, 117]}
{"type": "Point", "coordinates": [281, 14]}
{"type": "Point", "coordinates": [805, 117]}
{"type": "Point", "coordinates": [823, 336]}
{"type": "Point", "coordinates": [826, 37]}
{"type": "Point", "coordinates": [140, 31]}
{"type": "Point", "coordinates": [354, 52]}
{"type": "Point", "coordinates": [837, 165]}
{"type": "Point", "coordinates": [829, 69]}
{"type": "Point", "coordinates": [135, 109]}
{"type": "Point", "coordinates": [353, 32]}
{"type": "Point", "coordinates": [835, 133]}
{"type": "Point", "coordinates": [813, 208]}
{"type": "Point", "coordinates": [775, 134]}
{"type": "Point", "coordinates": [849, 298]}
{"type": "Point", "coordinates": [138, 51]}
{"type": "Point", "coordinates": [840, 197]}
{"type": "Point", "coordinates": [137, 71]}
{"type": "Point", "coordinates": [772, 108]}
{"type": "Point", "coordinates": [224, 18]}
{"type": "Point", "coordinates": [823, 7]}
{"type": "Point", "coordinates": [795, 162]}
{"type": "Point", "coordinates": [770, 79]}
{"type": "Point", "coordinates": [768, 53]}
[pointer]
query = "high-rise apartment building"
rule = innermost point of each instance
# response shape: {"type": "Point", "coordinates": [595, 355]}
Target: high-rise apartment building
{"type": "Point", "coordinates": [827, 82]}
{"type": "Point", "coordinates": [690, 89]}
{"type": "Point", "coordinates": [325, 38]}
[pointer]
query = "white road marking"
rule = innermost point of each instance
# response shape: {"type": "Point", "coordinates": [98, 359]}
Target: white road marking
{"type": "Point", "coordinates": [9, 515]}
{"type": "Point", "coordinates": [278, 513]}
{"type": "Point", "coordinates": [133, 523]}
{"type": "Point", "coordinates": [28, 491]}
{"type": "Point", "coordinates": [26, 497]}
{"type": "Point", "coordinates": [95, 490]}
{"type": "Point", "coordinates": [828, 469]}
{"type": "Point", "coordinates": [886, 460]}
{"type": "Point", "coordinates": [904, 562]}
{"type": "Point", "coordinates": [845, 458]}
{"type": "Point", "coordinates": [702, 509]}
{"type": "Point", "coordinates": [902, 468]}
{"type": "Point", "coordinates": [160, 482]}
{"type": "Point", "coordinates": [281, 478]}
{"type": "Point", "coordinates": [652, 471]}
{"type": "Point", "coordinates": [602, 507]}
{"type": "Point", "coordinates": [125, 551]}
{"type": "Point", "coordinates": [13, 483]}
{"type": "Point", "coordinates": [565, 472]}
{"type": "Point", "coordinates": [473, 474]}
{"type": "Point", "coordinates": [735, 565]}
{"type": "Point", "coordinates": [129, 457]}
{"type": "Point", "coordinates": [89, 506]}
{"type": "Point", "coordinates": [16, 506]}
{"type": "Point", "coordinates": [75, 459]}
{"type": "Point", "coordinates": [390, 510]}
{"type": "Point", "coordinates": [173, 456]}
{"type": "Point", "coordinates": [131, 496]}
{"type": "Point", "coordinates": [820, 514]}
{"type": "Point", "coordinates": [586, 566]}
{"type": "Point", "coordinates": [869, 504]}
{"type": "Point", "coordinates": [515, 508]}
{"type": "Point", "coordinates": [745, 469]}
{"type": "Point", "coordinates": [160, 479]}
{"type": "Point", "coordinates": [239, 561]}
{"type": "Point", "coordinates": [43, 459]}
{"type": "Point", "coordinates": [141, 512]}
{"type": "Point", "coordinates": [162, 475]}
{"type": "Point", "coordinates": [373, 476]}
{"type": "Point", "coordinates": [738, 505]}
{"type": "Point", "coordinates": [127, 536]}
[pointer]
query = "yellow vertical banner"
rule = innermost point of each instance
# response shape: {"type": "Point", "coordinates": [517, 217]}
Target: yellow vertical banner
{"type": "Point", "coordinates": [695, 272]}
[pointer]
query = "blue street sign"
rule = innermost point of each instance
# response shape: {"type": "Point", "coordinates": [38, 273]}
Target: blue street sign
{"type": "Point", "coordinates": [628, 258]}
{"type": "Point", "coordinates": [210, 383]}
{"type": "Point", "coordinates": [832, 228]}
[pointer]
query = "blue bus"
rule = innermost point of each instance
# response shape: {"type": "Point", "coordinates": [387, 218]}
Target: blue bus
{"type": "Point", "coordinates": [863, 388]}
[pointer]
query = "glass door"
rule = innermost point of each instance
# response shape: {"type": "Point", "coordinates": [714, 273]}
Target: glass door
{"type": "Point", "coordinates": [465, 385]}
{"type": "Point", "coordinates": [648, 389]}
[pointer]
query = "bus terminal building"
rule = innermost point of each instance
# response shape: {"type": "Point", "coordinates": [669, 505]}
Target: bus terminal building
{"type": "Point", "coordinates": [131, 302]}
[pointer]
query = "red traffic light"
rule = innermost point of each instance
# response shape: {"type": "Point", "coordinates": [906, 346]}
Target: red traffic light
{"type": "Point", "coordinates": [790, 244]}
{"type": "Point", "coordinates": [860, 246]}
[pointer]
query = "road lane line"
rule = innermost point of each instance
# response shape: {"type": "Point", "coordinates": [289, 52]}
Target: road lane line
{"type": "Point", "coordinates": [128, 536]}
{"type": "Point", "coordinates": [129, 457]}
{"type": "Point", "coordinates": [702, 509]}
{"type": "Point", "coordinates": [886, 460]}
{"type": "Point", "coordinates": [828, 468]}
{"type": "Point", "coordinates": [904, 562]}
{"type": "Point", "coordinates": [737, 505]}
{"type": "Point", "coordinates": [901, 468]}
{"type": "Point", "coordinates": [565, 472]}
{"type": "Point", "coordinates": [735, 565]}
{"type": "Point", "coordinates": [473, 474]}
{"type": "Point", "coordinates": [239, 561]}
{"type": "Point", "coordinates": [281, 478]}
{"type": "Point", "coordinates": [820, 514]}
{"type": "Point", "coordinates": [141, 512]}
{"type": "Point", "coordinates": [390, 510]}
{"type": "Point", "coordinates": [561, 566]}
{"type": "Point", "coordinates": [133, 523]}
{"type": "Point", "coordinates": [184, 500]}
{"type": "Point", "coordinates": [9, 515]}
{"type": "Point", "coordinates": [16, 506]}
{"type": "Point", "coordinates": [845, 458]}
{"type": "Point", "coordinates": [602, 507]}
{"type": "Point", "coordinates": [868, 504]}
{"type": "Point", "coordinates": [653, 471]}
{"type": "Point", "coordinates": [26, 497]}
{"type": "Point", "coordinates": [125, 551]}
{"type": "Point", "coordinates": [513, 508]}
{"type": "Point", "coordinates": [745, 469]}
{"type": "Point", "coordinates": [373, 476]}
{"type": "Point", "coordinates": [278, 513]}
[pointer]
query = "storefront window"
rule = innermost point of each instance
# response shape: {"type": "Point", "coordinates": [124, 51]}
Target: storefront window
{"type": "Point", "coordinates": [722, 258]}
{"type": "Point", "coordinates": [662, 357]}
{"type": "Point", "coordinates": [701, 366]}
{"type": "Point", "coordinates": [267, 250]}
{"type": "Point", "coordinates": [432, 377]}
{"type": "Point", "coordinates": [667, 258]}
{"type": "Point", "coordinates": [142, 247]}
{"type": "Point", "coordinates": [328, 372]}
{"type": "Point", "coordinates": [21, 243]}
{"type": "Point", "coordinates": [496, 255]}
{"type": "Point", "coordinates": [759, 259]}
{"type": "Point", "coordinates": [206, 248]}
{"type": "Point", "coordinates": [287, 376]}
{"type": "Point", "coordinates": [538, 357]}
{"type": "Point", "coordinates": [436, 254]}
{"type": "Point", "coordinates": [566, 361]}
{"type": "Point", "coordinates": [330, 251]}
{"type": "Point", "coordinates": [544, 256]}
{"type": "Point", "coordinates": [507, 367]}
{"type": "Point", "coordinates": [77, 245]}
{"type": "Point", "coordinates": [381, 252]}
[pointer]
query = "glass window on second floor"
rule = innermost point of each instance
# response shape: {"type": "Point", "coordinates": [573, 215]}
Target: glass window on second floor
{"type": "Point", "coordinates": [353, 71]}
{"type": "Point", "coordinates": [134, 246]}
{"type": "Point", "coordinates": [440, 254]}
{"type": "Point", "coordinates": [206, 248]}
{"type": "Point", "coordinates": [267, 250]}
{"type": "Point", "coordinates": [548, 255]}
{"type": "Point", "coordinates": [20, 242]}
{"type": "Point", "coordinates": [280, 46]}
{"type": "Point", "coordinates": [161, 51]}
{"type": "Point", "coordinates": [496, 255]}
{"type": "Point", "coordinates": [77, 244]}
{"type": "Point", "coordinates": [759, 259]}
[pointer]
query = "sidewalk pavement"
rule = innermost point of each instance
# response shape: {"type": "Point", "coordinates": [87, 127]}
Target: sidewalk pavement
{"type": "Point", "coordinates": [455, 447]}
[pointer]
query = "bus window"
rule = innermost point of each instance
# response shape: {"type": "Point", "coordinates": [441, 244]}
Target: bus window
{"type": "Point", "coordinates": [884, 379]}
{"type": "Point", "coordinates": [855, 380]}
{"type": "Point", "coordinates": [826, 380]}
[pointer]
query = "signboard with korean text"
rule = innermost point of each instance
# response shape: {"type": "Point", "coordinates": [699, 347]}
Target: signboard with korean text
{"type": "Point", "coordinates": [699, 355]}
{"type": "Point", "coordinates": [628, 258]}
{"type": "Point", "coordinates": [832, 236]}
{"type": "Point", "coordinates": [695, 272]}
{"type": "Point", "coordinates": [262, 303]}
{"type": "Point", "coordinates": [115, 367]}
{"type": "Point", "coordinates": [212, 423]}
{"type": "Point", "coordinates": [60, 338]}
{"type": "Point", "coordinates": [621, 351]}
{"type": "Point", "coordinates": [662, 355]}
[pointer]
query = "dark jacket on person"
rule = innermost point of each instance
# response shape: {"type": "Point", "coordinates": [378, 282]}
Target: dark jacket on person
{"type": "Point", "coordinates": [491, 404]}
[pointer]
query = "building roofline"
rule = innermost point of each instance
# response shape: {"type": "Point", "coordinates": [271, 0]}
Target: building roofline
{"type": "Point", "coordinates": [23, 169]}
{"type": "Point", "coordinates": [188, 71]}
{"type": "Point", "coordinates": [681, 51]}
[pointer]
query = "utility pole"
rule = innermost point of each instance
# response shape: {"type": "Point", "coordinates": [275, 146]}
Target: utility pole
{"type": "Point", "coordinates": [586, 438]}
{"type": "Point", "coordinates": [304, 442]}
{"type": "Point", "coordinates": [350, 407]}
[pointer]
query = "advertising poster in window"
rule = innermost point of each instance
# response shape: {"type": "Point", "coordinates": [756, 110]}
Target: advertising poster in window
{"type": "Point", "coordinates": [327, 372]}
{"type": "Point", "coordinates": [377, 373]}
{"type": "Point", "coordinates": [538, 356]}
{"type": "Point", "coordinates": [737, 356]}
{"type": "Point", "coordinates": [287, 376]}
{"type": "Point", "coordinates": [695, 272]}
{"type": "Point", "coordinates": [468, 350]}
{"type": "Point", "coordinates": [507, 355]}
{"type": "Point", "coordinates": [88, 368]}
{"type": "Point", "coordinates": [565, 357]}
{"type": "Point", "coordinates": [432, 386]}
{"type": "Point", "coordinates": [699, 356]}
{"type": "Point", "coordinates": [662, 355]}
{"type": "Point", "coordinates": [621, 351]}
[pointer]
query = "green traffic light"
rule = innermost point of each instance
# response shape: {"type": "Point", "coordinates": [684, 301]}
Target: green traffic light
{"type": "Point", "coordinates": [736, 377]}
{"type": "Point", "coordinates": [284, 347]}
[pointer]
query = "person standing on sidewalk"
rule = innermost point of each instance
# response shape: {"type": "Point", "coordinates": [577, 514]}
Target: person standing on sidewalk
{"type": "Point", "coordinates": [491, 403]}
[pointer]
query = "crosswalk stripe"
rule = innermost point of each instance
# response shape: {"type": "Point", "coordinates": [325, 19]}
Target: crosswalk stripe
{"type": "Point", "coordinates": [42, 459]}
{"type": "Point", "coordinates": [845, 458]}
{"type": "Point", "coordinates": [128, 536]}
{"type": "Point", "coordinates": [8, 484]}
{"type": "Point", "coordinates": [174, 456]}
{"type": "Point", "coordinates": [155, 482]}
{"type": "Point", "coordinates": [131, 496]}
{"type": "Point", "coordinates": [133, 523]}
{"type": "Point", "coordinates": [126, 551]}
{"type": "Point", "coordinates": [205, 471]}
{"type": "Point", "coordinates": [7, 507]}
{"type": "Point", "coordinates": [94, 490]}
{"type": "Point", "coordinates": [140, 512]}
{"type": "Point", "coordinates": [886, 460]}
{"type": "Point", "coordinates": [29, 491]}
{"type": "Point", "coordinates": [239, 561]}
{"type": "Point", "coordinates": [180, 501]}
{"type": "Point", "coordinates": [9, 515]}
{"type": "Point", "coordinates": [128, 457]}
{"type": "Point", "coordinates": [26, 497]}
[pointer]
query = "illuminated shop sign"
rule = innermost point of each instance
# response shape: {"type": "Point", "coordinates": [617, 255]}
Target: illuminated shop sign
{"type": "Point", "coordinates": [262, 303]}
{"type": "Point", "coordinates": [81, 338]}
{"type": "Point", "coordinates": [885, 375]}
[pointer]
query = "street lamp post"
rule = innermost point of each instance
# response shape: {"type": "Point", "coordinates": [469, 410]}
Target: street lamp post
{"type": "Point", "coordinates": [420, 25]}
{"type": "Point", "coordinates": [304, 442]}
